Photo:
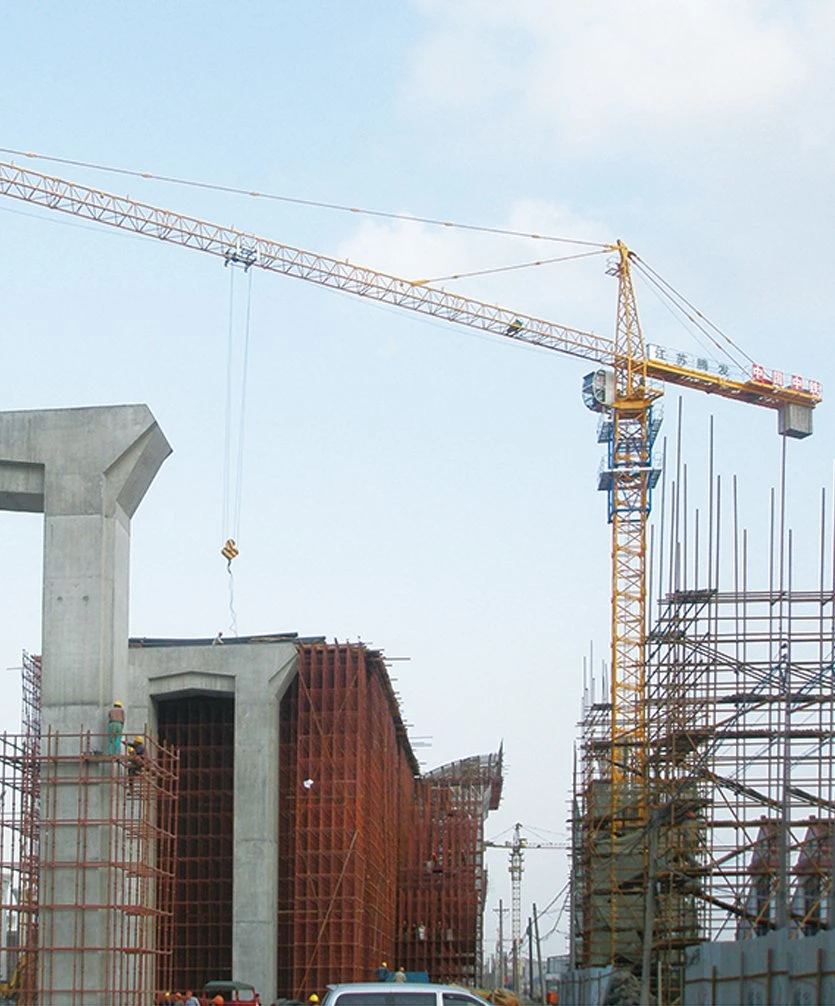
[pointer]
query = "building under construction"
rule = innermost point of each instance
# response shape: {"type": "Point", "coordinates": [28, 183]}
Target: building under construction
{"type": "Point", "coordinates": [374, 860]}
{"type": "Point", "coordinates": [725, 832]}
{"type": "Point", "coordinates": [358, 828]}
{"type": "Point", "coordinates": [275, 828]}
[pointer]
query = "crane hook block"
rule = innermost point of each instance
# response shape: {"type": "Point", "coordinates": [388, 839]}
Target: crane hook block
{"type": "Point", "coordinates": [229, 550]}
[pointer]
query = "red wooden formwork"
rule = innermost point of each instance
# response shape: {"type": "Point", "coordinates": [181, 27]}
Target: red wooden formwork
{"type": "Point", "coordinates": [443, 880]}
{"type": "Point", "coordinates": [202, 730]}
{"type": "Point", "coordinates": [346, 781]}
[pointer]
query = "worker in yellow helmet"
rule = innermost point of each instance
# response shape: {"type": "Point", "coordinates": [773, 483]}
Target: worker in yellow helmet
{"type": "Point", "coordinates": [314, 998]}
{"type": "Point", "coordinates": [381, 974]}
{"type": "Point", "coordinates": [136, 757]}
{"type": "Point", "coordinates": [115, 726]}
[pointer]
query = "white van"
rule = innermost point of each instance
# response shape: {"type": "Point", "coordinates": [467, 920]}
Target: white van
{"type": "Point", "coordinates": [392, 994]}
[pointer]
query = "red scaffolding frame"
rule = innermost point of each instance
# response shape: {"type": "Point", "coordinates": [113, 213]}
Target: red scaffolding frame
{"type": "Point", "coordinates": [345, 771]}
{"type": "Point", "coordinates": [443, 882]}
{"type": "Point", "coordinates": [79, 822]}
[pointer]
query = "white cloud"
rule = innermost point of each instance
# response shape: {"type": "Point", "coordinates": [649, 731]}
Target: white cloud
{"type": "Point", "coordinates": [609, 71]}
{"type": "Point", "coordinates": [558, 291]}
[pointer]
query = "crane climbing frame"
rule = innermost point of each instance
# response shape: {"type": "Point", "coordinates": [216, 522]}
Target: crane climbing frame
{"type": "Point", "coordinates": [636, 376]}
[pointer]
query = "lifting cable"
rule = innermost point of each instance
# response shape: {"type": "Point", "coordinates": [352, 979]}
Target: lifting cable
{"type": "Point", "coordinates": [234, 435]}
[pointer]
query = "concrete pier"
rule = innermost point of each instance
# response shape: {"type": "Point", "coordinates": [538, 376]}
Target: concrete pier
{"type": "Point", "coordinates": [255, 675]}
{"type": "Point", "coordinates": [86, 470]}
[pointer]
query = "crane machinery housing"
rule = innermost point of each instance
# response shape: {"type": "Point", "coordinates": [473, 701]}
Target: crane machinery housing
{"type": "Point", "coordinates": [624, 388]}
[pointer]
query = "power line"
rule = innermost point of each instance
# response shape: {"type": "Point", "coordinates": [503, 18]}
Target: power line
{"type": "Point", "coordinates": [297, 201]}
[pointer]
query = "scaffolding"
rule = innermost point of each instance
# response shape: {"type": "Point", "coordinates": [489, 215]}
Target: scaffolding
{"type": "Point", "coordinates": [346, 779]}
{"type": "Point", "coordinates": [740, 782]}
{"type": "Point", "coordinates": [86, 843]}
{"type": "Point", "coordinates": [444, 882]}
{"type": "Point", "coordinates": [741, 693]}
{"type": "Point", "coordinates": [376, 861]}
{"type": "Point", "coordinates": [736, 839]}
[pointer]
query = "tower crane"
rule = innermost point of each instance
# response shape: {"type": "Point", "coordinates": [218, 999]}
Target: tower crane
{"type": "Point", "coordinates": [517, 846]}
{"type": "Point", "coordinates": [624, 388]}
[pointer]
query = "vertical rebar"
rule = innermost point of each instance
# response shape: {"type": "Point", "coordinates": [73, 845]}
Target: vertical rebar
{"type": "Point", "coordinates": [784, 678]}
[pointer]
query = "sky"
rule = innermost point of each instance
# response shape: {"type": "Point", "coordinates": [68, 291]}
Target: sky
{"type": "Point", "coordinates": [422, 488]}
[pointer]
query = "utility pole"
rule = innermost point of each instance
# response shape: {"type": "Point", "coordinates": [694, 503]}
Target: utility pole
{"type": "Point", "coordinates": [542, 990]}
{"type": "Point", "coordinates": [501, 976]}
{"type": "Point", "coordinates": [530, 958]}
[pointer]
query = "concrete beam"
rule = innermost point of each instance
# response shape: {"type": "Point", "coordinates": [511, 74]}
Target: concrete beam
{"type": "Point", "coordinates": [86, 470]}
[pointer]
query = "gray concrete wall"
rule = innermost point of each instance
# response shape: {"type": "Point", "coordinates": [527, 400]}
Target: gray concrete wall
{"type": "Point", "coordinates": [768, 969]}
{"type": "Point", "coordinates": [256, 675]}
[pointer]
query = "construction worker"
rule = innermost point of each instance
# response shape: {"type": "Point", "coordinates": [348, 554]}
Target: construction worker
{"type": "Point", "coordinates": [313, 999]}
{"type": "Point", "coordinates": [381, 974]}
{"type": "Point", "coordinates": [115, 725]}
{"type": "Point", "coordinates": [218, 1000]}
{"type": "Point", "coordinates": [400, 975]}
{"type": "Point", "coordinates": [191, 999]}
{"type": "Point", "coordinates": [136, 757]}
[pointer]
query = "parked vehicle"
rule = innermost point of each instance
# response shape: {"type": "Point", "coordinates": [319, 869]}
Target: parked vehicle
{"type": "Point", "coordinates": [392, 994]}
{"type": "Point", "coordinates": [232, 992]}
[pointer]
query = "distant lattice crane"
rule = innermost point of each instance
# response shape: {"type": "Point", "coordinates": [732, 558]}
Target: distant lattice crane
{"type": "Point", "coordinates": [516, 867]}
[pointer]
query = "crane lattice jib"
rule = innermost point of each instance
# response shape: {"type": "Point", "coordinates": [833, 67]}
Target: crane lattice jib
{"type": "Point", "coordinates": [236, 246]}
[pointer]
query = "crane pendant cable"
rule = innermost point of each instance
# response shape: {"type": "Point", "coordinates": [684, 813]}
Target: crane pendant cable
{"type": "Point", "coordinates": [234, 435]}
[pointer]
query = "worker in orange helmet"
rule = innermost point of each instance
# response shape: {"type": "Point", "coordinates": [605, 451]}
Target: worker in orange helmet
{"type": "Point", "coordinates": [115, 725]}
{"type": "Point", "coordinates": [218, 1000]}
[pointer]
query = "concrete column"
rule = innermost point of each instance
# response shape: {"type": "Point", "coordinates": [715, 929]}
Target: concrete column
{"type": "Point", "coordinates": [255, 888]}
{"type": "Point", "coordinates": [86, 470]}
